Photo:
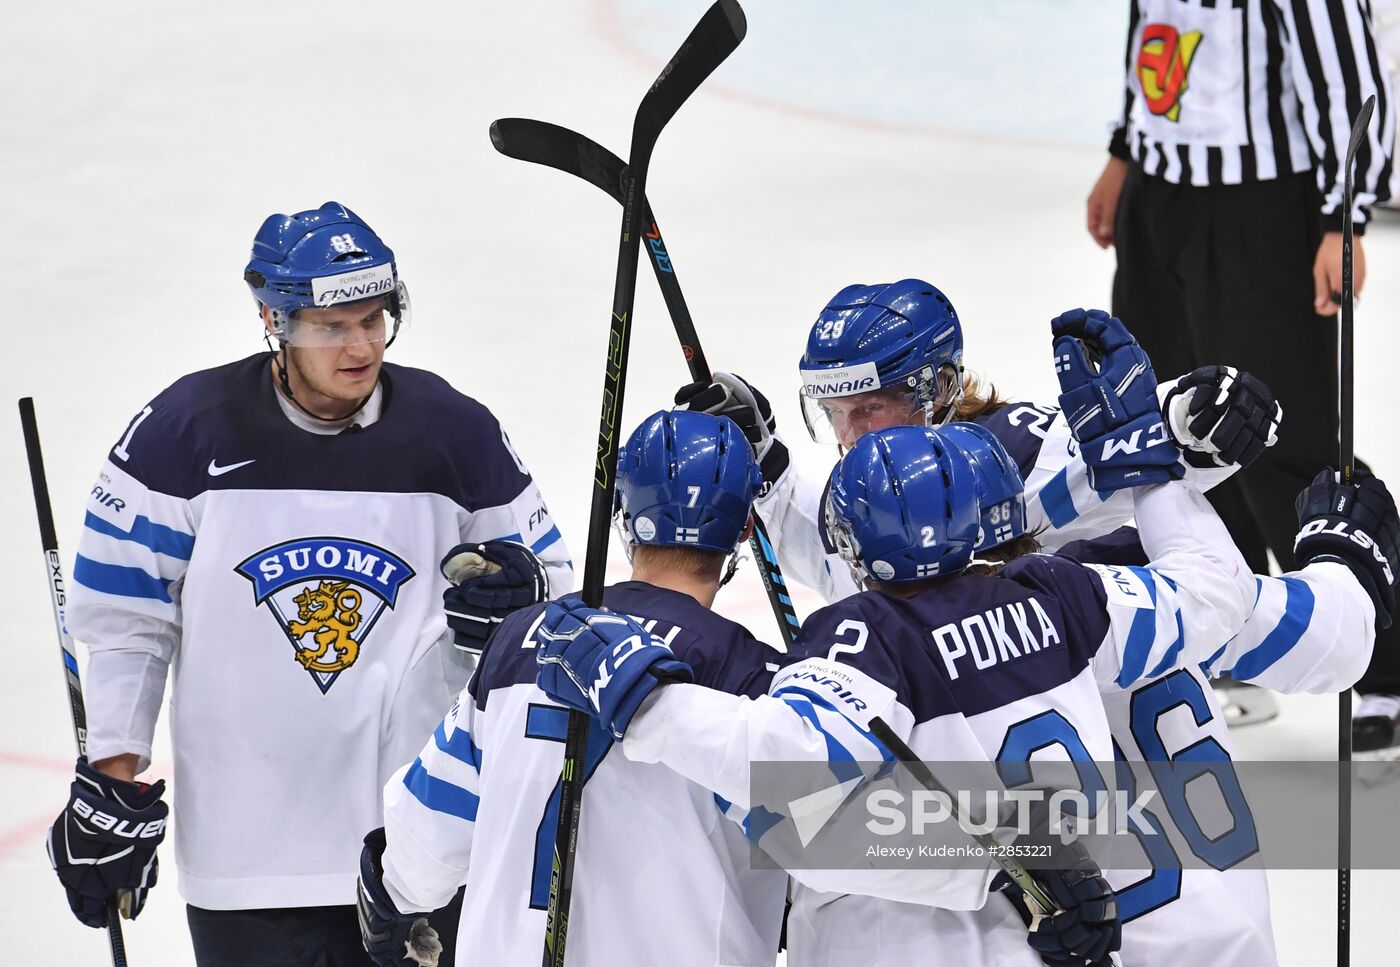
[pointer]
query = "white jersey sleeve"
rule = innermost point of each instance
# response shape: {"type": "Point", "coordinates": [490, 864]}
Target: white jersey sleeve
{"type": "Point", "coordinates": [125, 605]}
{"type": "Point", "coordinates": [430, 810]}
{"type": "Point", "coordinates": [1195, 592]}
{"type": "Point", "coordinates": [792, 512]}
{"type": "Point", "coordinates": [817, 710]}
{"type": "Point", "coordinates": [1311, 630]}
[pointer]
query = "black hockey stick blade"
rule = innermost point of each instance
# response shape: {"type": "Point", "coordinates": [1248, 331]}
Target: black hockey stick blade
{"type": "Point", "coordinates": [1346, 463]}
{"type": "Point", "coordinates": [48, 538]}
{"type": "Point", "coordinates": [553, 146]}
{"type": "Point", "coordinates": [714, 38]}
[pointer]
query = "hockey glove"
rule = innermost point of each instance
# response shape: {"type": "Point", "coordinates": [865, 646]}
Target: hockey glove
{"type": "Point", "coordinates": [602, 663]}
{"type": "Point", "coordinates": [1356, 525]}
{"type": "Point", "coordinates": [490, 582]}
{"type": "Point", "coordinates": [1087, 930]}
{"type": "Point", "coordinates": [105, 841]}
{"type": "Point", "coordinates": [1112, 411]}
{"type": "Point", "coordinates": [391, 938]}
{"type": "Point", "coordinates": [1220, 416]}
{"type": "Point", "coordinates": [729, 395]}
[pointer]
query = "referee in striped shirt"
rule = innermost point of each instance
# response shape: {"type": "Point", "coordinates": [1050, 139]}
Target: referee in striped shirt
{"type": "Point", "coordinates": [1221, 197]}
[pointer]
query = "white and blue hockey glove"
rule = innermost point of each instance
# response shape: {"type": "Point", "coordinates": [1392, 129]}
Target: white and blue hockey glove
{"type": "Point", "coordinates": [391, 938]}
{"type": "Point", "coordinates": [1355, 525]}
{"type": "Point", "coordinates": [1220, 416]}
{"type": "Point", "coordinates": [602, 663]}
{"type": "Point", "coordinates": [1087, 929]}
{"type": "Point", "coordinates": [103, 844]}
{"type": "Point", "coordinates": [1112, 410]}
{"type": "Point", "coordinates": [489, 583]}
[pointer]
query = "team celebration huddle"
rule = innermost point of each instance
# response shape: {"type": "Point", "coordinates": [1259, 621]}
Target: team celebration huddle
{"type": "Point", "coordinates": [472, 762]}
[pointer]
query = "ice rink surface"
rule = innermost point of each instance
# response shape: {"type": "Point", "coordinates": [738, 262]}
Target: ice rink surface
{"type": "Point", "coordinates": [143, 147]}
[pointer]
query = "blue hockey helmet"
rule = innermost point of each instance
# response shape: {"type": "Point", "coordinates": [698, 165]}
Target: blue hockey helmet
{"type": "Point", "coordinates": [319, 258]}
{"type": "Point", "coordinates": [1000, 490]}
{"type": "Point", "coordinates": [686, 480]}
{"type": "Point", "coordinates": [902, 506]}
{"type": "Point", "coordinates": [902, 338]}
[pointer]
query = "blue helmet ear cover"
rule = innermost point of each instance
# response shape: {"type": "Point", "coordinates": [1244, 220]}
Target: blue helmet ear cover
{"type": "Point", "coordinates": [890, 330]}
{"type": "Point", "coordinates": [687, 480]}
{"type": "Point", "coordinates": [1000, 489]}
{"type": "Point", "coordinates": [902, 506]}
{"type": "Point", "coordinates": [319, 257]}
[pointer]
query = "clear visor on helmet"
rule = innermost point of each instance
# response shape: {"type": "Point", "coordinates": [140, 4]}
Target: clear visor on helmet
{"type": "Point", "coordinates": [347, 324]}
{"type": "Point", "coordinates": [843, 420]}
{"type": "Point", "coordinates": [845, 543]}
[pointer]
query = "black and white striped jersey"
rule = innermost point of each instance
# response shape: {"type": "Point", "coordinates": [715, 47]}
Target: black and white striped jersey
{"type": "Point", "coordinates": [1224, 92]}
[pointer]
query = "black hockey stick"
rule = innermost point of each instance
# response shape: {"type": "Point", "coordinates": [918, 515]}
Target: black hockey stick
{"type": "Point", "coordinates": [1346, 461]}
{"type": "Point", "coordinates": [553, 146]}
{"type": "Point", "coordinates": [48, 537]}
{"type": "Point", "coordinates": [712, 40]}
{"type": "Point", "coordinates": [548, 144]}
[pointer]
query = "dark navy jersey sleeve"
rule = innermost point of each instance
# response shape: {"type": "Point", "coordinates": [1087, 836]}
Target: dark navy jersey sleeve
{"type": "Point", "coordinates": [1020, 427]}
{"type": "Point", "coordinates": [1117, 547]}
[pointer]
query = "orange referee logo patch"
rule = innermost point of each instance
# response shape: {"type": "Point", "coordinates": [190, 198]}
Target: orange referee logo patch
{"type": "Point", "coordinates": [1163, 62]}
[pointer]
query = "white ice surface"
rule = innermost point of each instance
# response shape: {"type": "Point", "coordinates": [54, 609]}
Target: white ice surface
{"type": "Point", "coordinates": [144, 143]}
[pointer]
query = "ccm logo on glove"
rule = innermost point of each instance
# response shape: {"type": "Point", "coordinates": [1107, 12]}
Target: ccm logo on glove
{"type": "Point", "coordinates": [1156, 434]}
{"type": "Point", "coordinates": [118, 827]}
{"type": "Point", "coordinates": [610, 665]}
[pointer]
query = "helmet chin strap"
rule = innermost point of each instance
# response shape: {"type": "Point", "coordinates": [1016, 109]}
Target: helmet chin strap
{"type": "Point", "coordinates": [280, 365]}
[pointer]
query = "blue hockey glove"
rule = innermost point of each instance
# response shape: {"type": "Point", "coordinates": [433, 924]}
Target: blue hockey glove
{"type": "Point", "coordinates": [1112, 411]}
{"type": "Point", "coordinates": [105, 841]}
{"type": "Point", "coordinates": [602, 663]}
{"type": "Point", "coordinates": [490, 582]}
{"type": "Point", "coordinates": [732, 396]}
{"type": "Point", "coordinates": [1356, 525]}
{"type": "Point", "coordinates": [1087, 930]}
{"type": "Point", "coordinates": [391, 938]}
{"type": "Point", "coordinates": [1220, 416]}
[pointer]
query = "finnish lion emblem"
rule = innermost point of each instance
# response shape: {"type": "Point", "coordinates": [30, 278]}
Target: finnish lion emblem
{"type": "Point", "coordinates": [329, 613]}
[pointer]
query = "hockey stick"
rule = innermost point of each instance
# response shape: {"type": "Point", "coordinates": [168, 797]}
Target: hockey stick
{"type": "Point", "coordinates": [712, 40]}
{"type": "Point", "coordinates": [48, 537]}
{"type": "Point", "coordinates": [540, 142]}
{"type": "Point", "coordinates": [548, 144]}
{"type": "Point", "coordinates": [1346, 460]}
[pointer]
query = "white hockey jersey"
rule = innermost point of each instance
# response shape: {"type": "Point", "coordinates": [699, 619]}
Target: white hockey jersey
{"type": "Point", "coordinates": [1060, 504]}
{"type": "Point", "coordinates": [661, 876]}
{"type": "Point", "coordinates": [1309, 631]}
{"type": "Point", "coordinates": [289, 580]}
{"type": "Point", "coordinates": [1101, 625]}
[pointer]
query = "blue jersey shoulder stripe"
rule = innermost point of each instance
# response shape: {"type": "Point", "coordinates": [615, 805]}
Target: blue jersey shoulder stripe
{"type": "Point", "coordinates": [158, 537]}
{"type": "Point", "coordinates": [1169, 659]}
{"type": "Point", "coordinates": [460, 746]}
{"type": "Point", "coordinates": [1297, 614]}
{"type": "Point", "coordinates": [438, 795]}
{"type": "Point", "coordinates": [1141, 634]}
{"type": "Point", "coordinates": [129, 582]}
{"type": "Point", "coordinates": [839, 758]}
{"type": "Point", "coordinates": [546, 541]}
{"type": "Point", "coordinates": [1056, 501]}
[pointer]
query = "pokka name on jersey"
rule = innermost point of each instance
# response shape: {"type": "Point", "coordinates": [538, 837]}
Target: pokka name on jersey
{"type": "Point", "coordinates": [995, 636]}
{"type": "Point", "coordinates": [326, 593]}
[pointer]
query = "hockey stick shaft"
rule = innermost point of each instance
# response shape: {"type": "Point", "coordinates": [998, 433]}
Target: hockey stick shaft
{"type": "Point", "coordinates": [920, 770]}
{"type": "Point", "coordinates": [1346, 462]}
{"type": "Point", "coordinates": [58, 598]}
{"type": "Point", "coordinates": [713, 39]}
{"type": "Point", "coordinates": [571, 152]}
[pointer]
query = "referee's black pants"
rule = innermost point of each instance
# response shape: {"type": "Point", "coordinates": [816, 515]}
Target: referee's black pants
{"type": "Point", "coordinates": [1224, 275]}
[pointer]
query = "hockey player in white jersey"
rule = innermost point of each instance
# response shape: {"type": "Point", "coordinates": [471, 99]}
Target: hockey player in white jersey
{"type": "Point", "coordinates": [903, 510]}
{"type": "Point", "coordinates": [891, 354]}
{"type": "Point", "coordinates": [481, 800]}
{"type": "Point", "coordinates": [259, 535]}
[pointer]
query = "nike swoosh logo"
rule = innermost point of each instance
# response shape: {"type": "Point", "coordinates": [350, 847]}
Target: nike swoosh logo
{"type": "Point", "coordinates": [217, 471]}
